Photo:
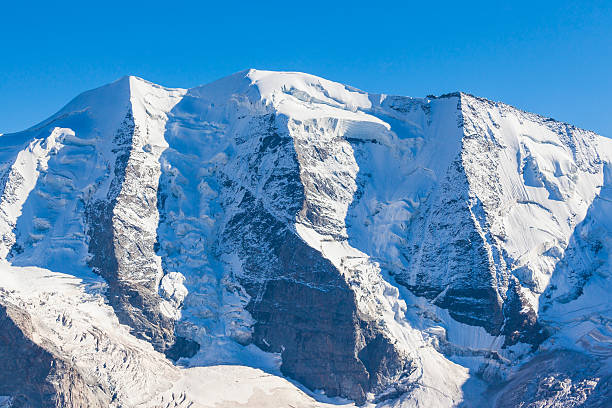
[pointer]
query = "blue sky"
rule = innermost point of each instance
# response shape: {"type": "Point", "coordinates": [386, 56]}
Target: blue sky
{"type": "Point", "coordinates": [549, 57]}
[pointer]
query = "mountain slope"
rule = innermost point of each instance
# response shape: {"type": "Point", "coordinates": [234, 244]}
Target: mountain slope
{"type": "Point", "coordinates": [389, 250]}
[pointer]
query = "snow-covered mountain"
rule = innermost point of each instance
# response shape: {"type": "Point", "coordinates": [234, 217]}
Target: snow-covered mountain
{"type": "Point", "coordinates": [277, 239]}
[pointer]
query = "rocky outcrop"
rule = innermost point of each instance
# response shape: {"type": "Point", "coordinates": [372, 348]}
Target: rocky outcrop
{"type": "Point", "coordinates": [116, 248]}
{"type": "Point", "coordinates": [122, 225]}
{"type": "Point", "coordinates": [444, 233]}
{"type": "Point", "coordinates": [289, 282]}
{"type": "Point", "coordinates": [558, 379]}
{"type": "Point", "coordinates": [470, 247]}
{"type": "Point", "coordinates": [32, 376]}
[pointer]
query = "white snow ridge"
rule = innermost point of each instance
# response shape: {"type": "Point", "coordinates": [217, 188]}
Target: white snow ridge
{"type": "Point", "coordinates": [274, 239]}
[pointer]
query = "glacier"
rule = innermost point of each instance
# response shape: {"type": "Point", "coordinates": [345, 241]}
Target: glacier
{"type": "Point", "coordinates": [278, 239]}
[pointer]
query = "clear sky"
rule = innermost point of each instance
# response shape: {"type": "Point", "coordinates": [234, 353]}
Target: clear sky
{"type": "Point", "coordinates": [549, 57]}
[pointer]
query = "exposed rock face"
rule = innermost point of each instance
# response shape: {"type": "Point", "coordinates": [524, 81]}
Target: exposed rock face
{"type": "Point", "coordinates": [289, 282]}
{"type": "Point", "coordinates": [378, 248]}
{"type": "Point", "coordinates": [468, 224]}
{"type": "Point", "coordinates": [37, 378]}
{"type": "Point", "coordinates": [471, 298]}
{"type": "Point", "coordinates": [259, 192]}
{"type": "Point", "coordinates": [124, 257]}
{"type": "Point", "coordinates": [557, 380]}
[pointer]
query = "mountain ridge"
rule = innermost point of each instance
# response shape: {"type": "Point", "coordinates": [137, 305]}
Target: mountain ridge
{"type": "Point", "coordinates": [248, 70]}
{"type": "Point", "coordinates": [385, 249]}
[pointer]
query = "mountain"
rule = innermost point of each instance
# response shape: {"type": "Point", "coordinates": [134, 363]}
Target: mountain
{"type": "Point", "coordinates": [278, 239]}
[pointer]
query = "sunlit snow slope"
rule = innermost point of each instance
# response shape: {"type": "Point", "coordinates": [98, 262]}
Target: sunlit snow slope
{"type": "Point", "coordinates": [277, 239]}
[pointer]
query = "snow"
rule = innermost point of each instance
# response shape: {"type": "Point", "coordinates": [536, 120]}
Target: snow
{"type": "Point", "coordinates": [548, 180]}
{"type": "Point", "coordinates": [21, 180]}
{"type": "Point", "coordinates": [239, 386]}
{"type": "Point", "coordinates": [539, 193]}
{"type": "Point", "coordinates": [376, 297]}
{"type": "Point", "coordinates": [72, 314]}
{"type": "Point", "coordinates": [60, 170]}
{"type": "Point", "coordinates": [172, 289]}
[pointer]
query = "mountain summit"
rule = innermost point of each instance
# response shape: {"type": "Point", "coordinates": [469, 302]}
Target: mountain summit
{"type": "Point", "coordinates": [278, 239]}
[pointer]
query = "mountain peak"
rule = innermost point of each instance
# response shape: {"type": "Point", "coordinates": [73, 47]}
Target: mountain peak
{"type": "Point", "coordinates": [385, 249]}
